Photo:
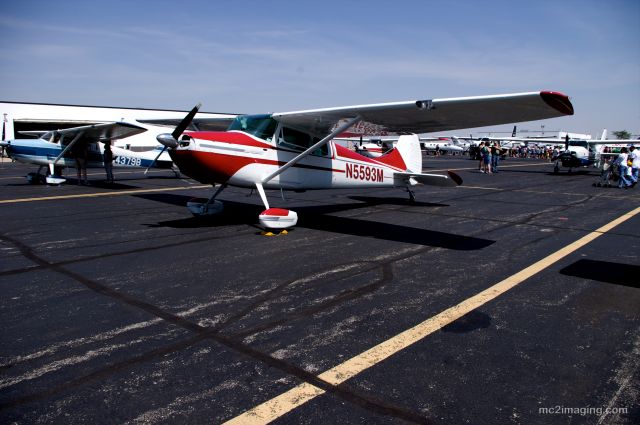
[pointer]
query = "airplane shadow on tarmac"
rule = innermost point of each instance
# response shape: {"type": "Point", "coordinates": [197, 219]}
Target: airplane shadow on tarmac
{"type": "Point", "coordinates": [318, 218]}
{"type": "Point", "coordinates": [469, 322]}
{"type": "Point", "coordinates": [605, 271]}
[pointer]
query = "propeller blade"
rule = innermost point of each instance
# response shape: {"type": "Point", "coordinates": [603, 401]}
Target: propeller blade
{"type": "Point", "coordinates": [171, 140]}
{"type": "Point", "coordinates": [185, 122]}
{"type": "Point", "coordinates": [566, 142]}
{"type": "Point", "coordinates": [154, 161]}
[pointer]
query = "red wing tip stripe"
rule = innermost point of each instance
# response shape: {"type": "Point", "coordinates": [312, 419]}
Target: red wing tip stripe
{"type": "Point", "coordinates": [558, 101]}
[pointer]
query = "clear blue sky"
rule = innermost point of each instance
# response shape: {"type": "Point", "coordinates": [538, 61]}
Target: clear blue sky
{"type": "Point", "coordinates": [275, 56]}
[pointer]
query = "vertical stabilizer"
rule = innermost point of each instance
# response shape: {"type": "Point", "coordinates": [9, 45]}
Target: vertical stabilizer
{"type": "Point", "coordinates": [409, 148]}
{"type": "Point", "coordinates": [604, 134]}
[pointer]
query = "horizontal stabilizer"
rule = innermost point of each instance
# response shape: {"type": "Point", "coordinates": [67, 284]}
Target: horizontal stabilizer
{"type": "Point", "coordinates": [450, 180]}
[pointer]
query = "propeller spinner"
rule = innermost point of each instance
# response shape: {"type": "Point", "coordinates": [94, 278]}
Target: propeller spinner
{"type": "Point", "coordinates": [171, 140]}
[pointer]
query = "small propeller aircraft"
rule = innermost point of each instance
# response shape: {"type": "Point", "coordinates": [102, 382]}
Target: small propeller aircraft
{"type": "Point", "coordinates": [576, 154]}
{"type": "Point", "coordinates": [295, 150]}
{"type": "Point", "coordinates": [585, 153]}
{"type": "Point", "coordinates": [440, 145]}
{"type": "Point", "coordinates": [373, 147]}
{"type": "Point", "coordinates": [53, 150]}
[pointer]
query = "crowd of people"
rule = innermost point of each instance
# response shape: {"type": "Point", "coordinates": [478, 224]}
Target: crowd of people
{"type": "Point", "coordinates": [537, 152]}
{"type": "Point", "coordinates": [626, 166]}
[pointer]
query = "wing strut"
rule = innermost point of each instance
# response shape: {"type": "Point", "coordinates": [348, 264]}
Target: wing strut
{"type": "Point", "coordinates": [73, 142]}
{"type": "Point", "coordinates": [295, 160]}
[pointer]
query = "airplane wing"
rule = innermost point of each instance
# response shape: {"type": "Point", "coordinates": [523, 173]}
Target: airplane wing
{"type": "Point", "coordinates": [198, 124]}
{"type": "Point", "coordinates": [36, 133]}
{"type": "Point", "coordinates": [562, 141]}
{"type": "Point", "coordinates": [423, 116]}
{"type": "Point", "coordinates": [101, 132]}
{"type": "Point", "coordinates": [426, 116]}
{"type": "Point", "coordinates": [95, 133]}
{"type": "Point", "coordinates": [612, 141]}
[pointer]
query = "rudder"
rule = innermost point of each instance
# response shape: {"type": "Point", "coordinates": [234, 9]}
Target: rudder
{"type": "Point", "coordinates": [409, 148]}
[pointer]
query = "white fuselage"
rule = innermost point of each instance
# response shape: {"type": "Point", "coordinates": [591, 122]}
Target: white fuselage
{"type": "Point", "coordinates": [240, 159]}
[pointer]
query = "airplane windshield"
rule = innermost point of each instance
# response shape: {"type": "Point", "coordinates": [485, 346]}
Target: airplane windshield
{"type": "Point", "coordinates": [262, 126]}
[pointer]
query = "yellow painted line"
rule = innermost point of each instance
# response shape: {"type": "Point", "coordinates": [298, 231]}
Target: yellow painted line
{"type": "Point", "coordinates": [117, 172]}
{"type": "Point", "coordinates": [296, 397]}
{"type": "Point", "coordinates": [97, 194]}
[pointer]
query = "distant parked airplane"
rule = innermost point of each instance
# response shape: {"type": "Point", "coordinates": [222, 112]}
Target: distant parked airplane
{"type": "Point", "coordinates": [53, 150]}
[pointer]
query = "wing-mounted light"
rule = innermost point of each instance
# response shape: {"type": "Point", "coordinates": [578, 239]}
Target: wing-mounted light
{"type": "Point", "coordinates": [425, 104]}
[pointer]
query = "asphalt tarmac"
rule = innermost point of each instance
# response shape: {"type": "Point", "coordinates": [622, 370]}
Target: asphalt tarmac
{"type": "Point", "coordinates": [512, 299]}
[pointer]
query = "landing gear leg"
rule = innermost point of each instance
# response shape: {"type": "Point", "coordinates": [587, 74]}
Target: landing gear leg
{"type": "Point", "coordinates": [222, 187]}
{"type": "Point", "coordinates": [203, 207]}
{"type": "Point", "coordinates": [412, 196]}
{"type": "Point", "coordinates": [37, 177]}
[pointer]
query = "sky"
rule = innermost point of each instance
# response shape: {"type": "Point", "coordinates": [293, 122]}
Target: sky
{"type": "Point", "coordinates": [276, 56]}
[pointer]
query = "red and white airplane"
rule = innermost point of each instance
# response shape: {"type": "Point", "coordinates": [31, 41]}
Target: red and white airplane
{"type": "Point", "coordinates": [296, 151]}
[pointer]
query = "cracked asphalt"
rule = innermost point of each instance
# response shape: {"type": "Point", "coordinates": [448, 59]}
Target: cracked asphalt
{"type": "Point", "coordinates": [122, 308]}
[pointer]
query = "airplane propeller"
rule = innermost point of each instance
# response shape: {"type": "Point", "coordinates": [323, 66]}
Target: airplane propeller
{"type": "Point", "coordinates": [566, 142]}
{"type": "Point", "coordinates": [171, 140]}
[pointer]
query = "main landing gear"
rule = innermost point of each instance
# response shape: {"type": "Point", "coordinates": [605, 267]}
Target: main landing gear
{"type": "Point", "coordinates": [52, 177]}
{"type": "Point", "coordinates": [412, 196]}
{"type": "Point", "coordinates": [201, 207]}
{"type": "Point", "coordinates": [556, 169]}
{"type": "Point", "coordinates": [270, 218]}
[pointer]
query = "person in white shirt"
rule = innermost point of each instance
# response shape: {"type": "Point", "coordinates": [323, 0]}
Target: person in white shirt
{"type": "Point", "coordinates": [634, 157]}
{"type": "Point", "coordinates": [621, 162]}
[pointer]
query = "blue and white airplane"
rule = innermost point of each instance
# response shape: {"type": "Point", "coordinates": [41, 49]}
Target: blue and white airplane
{"type": "Point", "coordinates": [53, 150]}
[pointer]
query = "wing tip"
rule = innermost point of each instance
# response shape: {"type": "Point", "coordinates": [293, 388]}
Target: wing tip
{"type": "Point", "coordinates": [558, 101]}
{"type": "Point", "coordinates": [456, 178]}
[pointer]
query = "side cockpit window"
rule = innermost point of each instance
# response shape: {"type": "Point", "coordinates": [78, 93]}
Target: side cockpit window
{"type": "Point", "coordinates": [299, 141]}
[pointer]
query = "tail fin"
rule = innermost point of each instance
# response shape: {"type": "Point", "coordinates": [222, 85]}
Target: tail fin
{"type": "Point", "coordinates": [406, 155]}
{"type": "Point", "coordinates": [604, 134]}
{"type": "Point", "coordinates": [409, 148]}
{"type": "Point", "coordinates": [513, 133]}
